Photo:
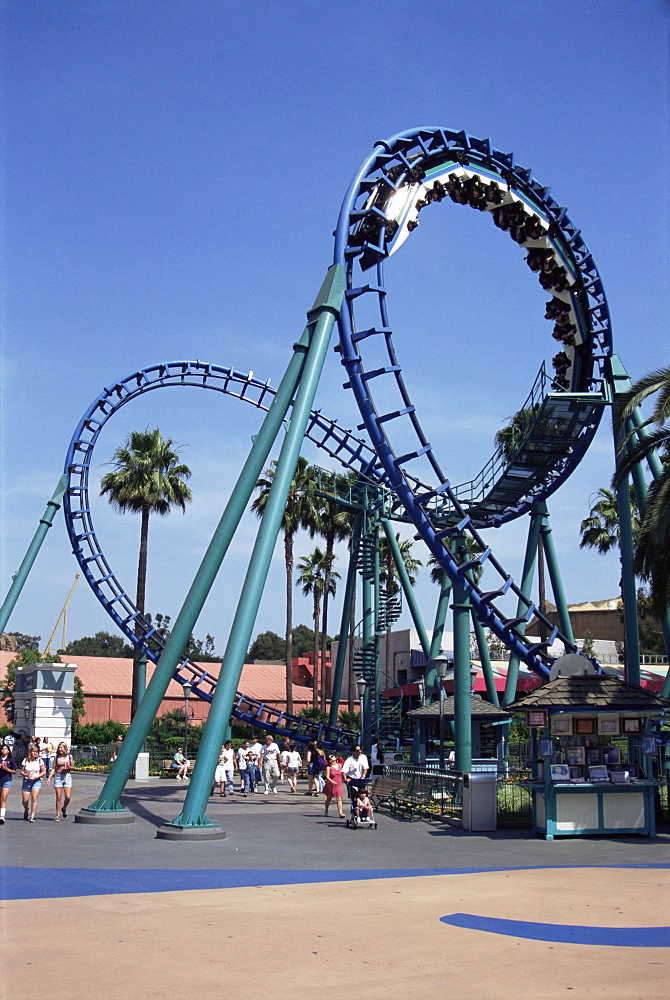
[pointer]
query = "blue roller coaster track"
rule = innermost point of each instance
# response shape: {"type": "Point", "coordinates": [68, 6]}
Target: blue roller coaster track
{"type": "Point", "coordinates": [401, 178]}
{"type": "Point", "coordinates": [350, 451]}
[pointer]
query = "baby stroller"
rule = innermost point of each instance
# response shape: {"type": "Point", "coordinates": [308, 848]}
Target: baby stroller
{"type": "Point", "coordinates": [354, 821]}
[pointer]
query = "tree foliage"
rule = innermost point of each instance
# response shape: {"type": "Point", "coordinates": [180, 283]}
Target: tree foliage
{"type": "Point", "coordinates": [100, 644]}
{"type": "Point", "coordinates": [267, 646]}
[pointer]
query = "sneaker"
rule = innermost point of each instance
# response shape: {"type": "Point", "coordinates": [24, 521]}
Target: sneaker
{"type": "Point", "coordinates": [32, 819]}
{"type": "Point", "coordinates": [266, 792]}
{"type": "Point", "coordinates": [274, 790]}
{"type": "Point", "coordinates": [64, 812]}
{"type": "Point", "coordinates": [25, 812]}
{"type": "Point", "coordinates": [58, 819]}
{"type": "Point", "coordinates": [2, 820]}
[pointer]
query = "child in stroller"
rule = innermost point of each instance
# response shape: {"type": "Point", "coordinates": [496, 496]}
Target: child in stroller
{"type": "Point", "coordinates": [362, 813]}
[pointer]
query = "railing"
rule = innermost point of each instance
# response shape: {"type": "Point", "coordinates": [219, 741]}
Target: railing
{"type": "Point", "coordinates": [446, 798]}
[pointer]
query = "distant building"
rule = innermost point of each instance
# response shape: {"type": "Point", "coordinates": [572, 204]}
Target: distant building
{"type": "Point", "coordinates": [107, 683]}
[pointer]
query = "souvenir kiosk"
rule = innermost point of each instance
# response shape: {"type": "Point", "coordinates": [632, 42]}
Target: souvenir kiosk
{"type": "Point", "coordinates": [593, 761]}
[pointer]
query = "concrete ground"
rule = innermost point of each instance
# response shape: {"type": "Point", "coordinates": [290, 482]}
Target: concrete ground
{"type": "Point", "coordinates": [293, 901]}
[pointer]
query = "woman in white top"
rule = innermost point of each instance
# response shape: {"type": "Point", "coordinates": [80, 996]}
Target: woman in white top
{"type": "Point", "coordinates": [32, 772]}
{"type": "Point", "coordinates": [291, 762]}
{"type": "Point", "coordinates": [61, 772]}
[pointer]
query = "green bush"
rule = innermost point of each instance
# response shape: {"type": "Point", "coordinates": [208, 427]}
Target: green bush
{"type": "Point", "coordinates": [98, 733]}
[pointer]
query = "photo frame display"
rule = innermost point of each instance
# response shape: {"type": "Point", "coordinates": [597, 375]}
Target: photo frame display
{"type": "Point", "coordinates": [576, 755]}
{"type": "Point", "coordinates": [560, 772]}
{"type": "Point", "coordinates": [537, 719]}
{"type": "Point", "coordinates": [608, 725]}
{"type": "Point", "coordinates": [561, 725]}
{"type": "Point", "coordinates": [611, 755]}
{"type": "Point", "coordinates": [632, 726]}
{"type": "Point", "coordinates": [546, 747]}
{"type": "Point", "coordinates": [585, 727]}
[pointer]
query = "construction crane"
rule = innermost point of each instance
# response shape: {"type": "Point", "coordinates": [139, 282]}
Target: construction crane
{"type": "Point", "coordinates": [62, 617]}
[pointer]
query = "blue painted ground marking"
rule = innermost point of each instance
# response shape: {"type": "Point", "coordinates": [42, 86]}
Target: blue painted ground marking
{"type": "Point", "coordinates": [60, 883]}
{"type": "Point", "coordinates": [616, 937]}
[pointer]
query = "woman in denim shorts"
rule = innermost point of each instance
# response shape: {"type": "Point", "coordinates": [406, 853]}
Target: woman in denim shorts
{"type": "Point", "coordinates": [32, 772]}
{"type": "Point", "coordinates": [61, 772]}
{"type": "Point", "coordinates": [8, 769]}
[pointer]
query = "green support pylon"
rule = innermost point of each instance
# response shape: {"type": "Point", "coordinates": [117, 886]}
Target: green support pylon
{"type": "Point", "coordinates": [321, 319]}
{"type": "Point", "coordinates": [431, 677]}
{"type": "Point", "coordinates": [342, 647]}
{"type": "Point", "coordinates": [525, 586]}
{"type": "Point", "coordinates": [21, 574]}
{"type": "Point", "coordinates": [462, 690]}
{"type": "Point", "coordinates": [193, 819]}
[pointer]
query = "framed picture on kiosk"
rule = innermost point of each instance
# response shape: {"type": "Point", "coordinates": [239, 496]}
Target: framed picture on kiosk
{"type": "Point", "coordinates": [585, 727]}
{"type": "Point", "coordinates": [561, 725]}
{"type": "Point", "coordinates": [632, 725]}
{"type": "Point", "coordinates": [537, 719]}
{"type": "Point", "coordinates": [608, 725]}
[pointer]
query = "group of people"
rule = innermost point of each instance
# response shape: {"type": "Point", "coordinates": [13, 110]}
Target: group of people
{"type": "Point", "coordinates": [265, 764]}
{"type": "Point", "coordinates": [39, 762]}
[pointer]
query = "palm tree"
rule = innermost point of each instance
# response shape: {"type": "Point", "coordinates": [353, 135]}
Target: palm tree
{"type": "Point", "coordinates": [313, 579]}
{"type": "Point", "coordinates": [300, 512]}
{"type": "Point", "coordinates": [388, 577]}
{"type": "Point", "coordinates": [600, 530]}
{"type": "Point", "coordinates": [652, 545]}
{"type": "Point", "coordinates": [147, 479]}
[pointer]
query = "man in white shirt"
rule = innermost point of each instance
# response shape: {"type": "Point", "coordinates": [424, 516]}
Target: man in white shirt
{"type": "Point", "coordinates": [270, 764]}
{"type": "Point", "coordinates": [355, 770]}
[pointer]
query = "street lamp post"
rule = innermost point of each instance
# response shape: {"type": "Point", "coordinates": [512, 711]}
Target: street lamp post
{"type": "Point", "coordinates": [188, 687]}
{"type": "Point", "coordinates": [441, 664]}
{"type": "Point", "coordinates": [361, 684]}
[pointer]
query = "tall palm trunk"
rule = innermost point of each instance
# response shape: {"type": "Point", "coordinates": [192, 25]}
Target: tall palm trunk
{"type": "Point", "coordinates": [288, 559]}
{"type": "Point", "coordinates": [140, 599]}
{"type": "Point", "coordinates": [315, 678]}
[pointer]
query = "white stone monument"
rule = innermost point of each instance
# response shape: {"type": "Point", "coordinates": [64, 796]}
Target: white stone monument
{"type": "Point", "coordinates": [43, 700]}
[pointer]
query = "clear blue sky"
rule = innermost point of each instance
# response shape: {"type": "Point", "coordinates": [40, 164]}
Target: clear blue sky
{"type": "Point", "coordinates": [171, 178]}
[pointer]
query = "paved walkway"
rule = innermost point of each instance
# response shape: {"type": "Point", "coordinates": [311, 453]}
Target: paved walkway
{"type": "Point", "coordinates": [291, 900]}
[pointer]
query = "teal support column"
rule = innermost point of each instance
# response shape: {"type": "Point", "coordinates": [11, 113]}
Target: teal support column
{"type": "Point", "coordinates": [525, 587]}
{"type": "Point", "coordinates": [373, 712]}
{"type": "Point", "coordinates": [438, 634]}
{"type": "Point", "coordinates": [108, 801]}
{"type": "Point", "coordinates": [553, 569]}
{"type": "Point", "coordinates": [342, 647]}
{"type": "Point", "coordinates": [408, 589]}
{"type": "Point", "coordinates": [21, 574]}
{"type": "Point", "coordinates": [462, 692]}
{"type": "Point", "coordinates": [192, 818]}
{"type": "Point", "coordinates": [485, 659]}
{"type": "Point", "coordinates": [656, 468]}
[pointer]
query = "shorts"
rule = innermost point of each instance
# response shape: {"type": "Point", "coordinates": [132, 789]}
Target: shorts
{"type": "Point", "coordinates": [292, 770]}
{"type": "Point", "coordinates": [6, 781]}
{"type": "Point", "coordinates": [63, 780]}
{"type": "Point", "coordinates": [30, 783]}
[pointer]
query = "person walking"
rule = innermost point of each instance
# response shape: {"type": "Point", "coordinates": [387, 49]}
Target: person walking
{"type": "Point", "coordinates": [333, 785]}
{"type": "Point", "coordinates": [256, 748]}
{"type": "Point", "coordinates": [270, 763]}
{"type": "Point", "coordinates": [61, 772]}
{"type": "Point", "coordinates": [225, 769]}
{"type": "Point", "coordinates": [46, 753]}
{"type": "Point", "coordinates": [241, 758]}
{"type": "Point", "coordinates": [32, 772]}
{"type": "Point", "coordinates": [8, 769]}
{"type": "Point", "coordinates": [377, 757]}
{"type": "Point", "coordinates": [291, 762]}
